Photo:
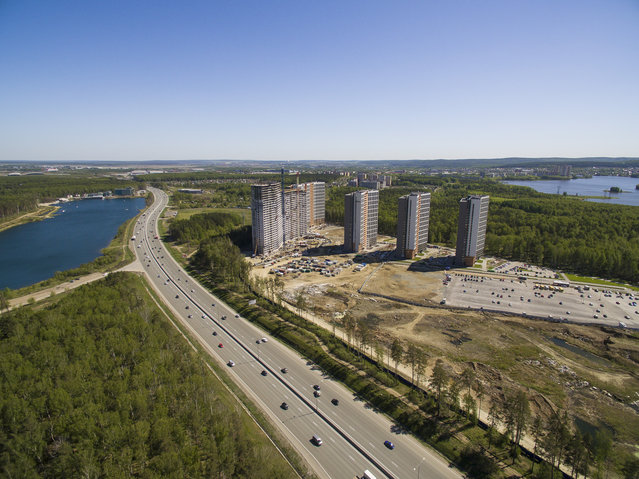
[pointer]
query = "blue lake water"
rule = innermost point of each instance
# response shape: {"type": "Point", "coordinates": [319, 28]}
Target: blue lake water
{"type": "Point", "coordinates": [33, 252]}
{"type": "Point", "coordinates": [594, 186]}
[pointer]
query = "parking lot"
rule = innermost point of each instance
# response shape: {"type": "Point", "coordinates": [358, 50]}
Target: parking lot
{"type": "Point", "coordinates": [537, 298]}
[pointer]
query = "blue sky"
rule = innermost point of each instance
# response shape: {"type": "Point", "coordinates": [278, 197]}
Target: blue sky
{"type": "Point", "coordinates": [318, 80]}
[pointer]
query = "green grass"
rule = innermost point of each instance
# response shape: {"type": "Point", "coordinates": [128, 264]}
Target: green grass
{"type": "Point", "coordinates": [185, 214]}
{"type": "Point", "coordinates": [603, 282]}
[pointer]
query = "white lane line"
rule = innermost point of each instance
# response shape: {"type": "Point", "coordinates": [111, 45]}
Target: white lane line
{"type": "Point", "coordinates": [393, 463]}
{"type": "Point", "coordinates": [332, 439]}
{"type": "Point", "coordinates": [314, 423]}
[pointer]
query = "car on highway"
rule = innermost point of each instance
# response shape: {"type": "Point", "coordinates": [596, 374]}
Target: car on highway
{"type": "Point", "coordinates": [316, 387]}
{"type": "Point", "coordinates": [389, 445]}
{"type": "Point", "coordinates": [223, 316]}
{"type": "Point", "coordinates": [264, 340]}
{"type": "Point", "coordinates": [220, 345]}
{"type": "Point", "coordinates": [317, 393]}
{"type": "Point", "coordinates": [264, 373]}
{"type": "Point", "coordinates": [284, 370]}
{"type": "Point", "coordinates": [317, 440]}
{"type": "Point", "coordinates": [237, 315]}
{"type": "Point", "coordinates": [231, 363]}
{"type": "Point", "coordinates": [190, 316]}
{"type": "Point", "coordinates": [284, 406]}
{"type": "Point", "coordinates": [214, 333]}
{"type": "Point", "coordinates": [177, 296]}
{"type": "Point", "coordinates": [335, 401]}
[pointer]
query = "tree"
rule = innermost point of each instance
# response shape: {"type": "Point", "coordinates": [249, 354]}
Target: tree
{"type": "Point", "coordinates": [411, 357]}
{"type": "Point", "coordinates": [537, 431]}
{"type": "Point", "coordinates": [469, 404]}
{"type": "Point", "coordinates": [630, 468]}
{"type": "Point", "coordinates": [494, 417]}
{"type": "Point", "coordinates": [479, 392]}
{"type": "Point", "coordinates": [439, 380]}
{"type": "Point", "coordinates": [300, 302]}
{"type": "Point", "coordinates": [363, 334]}
{"type": "Point", "coordinates": [349, 326]}
{"type": "Point", "coordinates": [379, 353]}
{"type": "Point", "coordinates": [396, 352]}
{"type": "Point", "coordinates": [467, 378]}
{"type": "Point", "coordinates": [556, 438]}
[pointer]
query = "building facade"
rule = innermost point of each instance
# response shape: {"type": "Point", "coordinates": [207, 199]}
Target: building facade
{"type": "Point", "coordinates": [316, 202]}
{"type": "Point", "coordinates": [267, 218]}
{"type": "Point", "coordinates": [360, 220]}
{"type": "Point", "coordinates": [471, 229]}
{"type": "Point", "coordinates": [296, 210]}
{"type": "Point", "coordinates": [413, 216]}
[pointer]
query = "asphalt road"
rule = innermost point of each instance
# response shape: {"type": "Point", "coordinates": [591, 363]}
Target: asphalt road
{"type": "Point", "coordinates": [353, 434]}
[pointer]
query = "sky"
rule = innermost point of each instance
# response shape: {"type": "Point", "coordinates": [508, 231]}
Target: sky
{"type": "Point", "coordinates": [290, 80]}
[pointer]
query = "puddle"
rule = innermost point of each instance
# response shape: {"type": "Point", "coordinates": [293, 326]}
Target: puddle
{"type": "Point", "coordinates": [581, 352]}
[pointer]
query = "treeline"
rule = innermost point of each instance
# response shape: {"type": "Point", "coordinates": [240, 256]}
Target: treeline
{"type": "Point", "coordinates": [559, 232]}
{"type": "Point", "coordinates": [197, 177]}
{"type": "Point", "coordinates": [99, 385]}
{"type": "Point", "coordinates": [21, 194]}
{"type": "Point", "coordinates": [221, 195]}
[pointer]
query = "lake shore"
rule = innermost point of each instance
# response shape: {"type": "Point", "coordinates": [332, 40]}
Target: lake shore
{"type": "Point", "coordinates": [44, 211]}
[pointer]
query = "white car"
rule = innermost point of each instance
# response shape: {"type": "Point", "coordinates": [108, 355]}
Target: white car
{"type": "Point", "coordinates": [231, 363]}
{"type": "Point", "coordinates": [264, 340]}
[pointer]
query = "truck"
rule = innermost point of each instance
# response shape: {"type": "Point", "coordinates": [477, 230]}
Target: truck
{"type": "Point", "coordinates": [133, 238]}
{"type": "Point", "coordinates": [368, 475]}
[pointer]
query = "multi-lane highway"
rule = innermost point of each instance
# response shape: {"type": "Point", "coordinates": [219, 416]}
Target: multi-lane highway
{"type": "Point", "coordinates": [352, 433]}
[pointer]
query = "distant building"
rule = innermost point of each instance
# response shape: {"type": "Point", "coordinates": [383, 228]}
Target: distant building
{"type": "Point", "coordinates": [361, 177]}
{"type": "Point", "coordinates": [373, 185]}
{"type": "Point", "coordinates": [471, 229]}
{"type": "Point", "coordinates": [266, 216]}
{"type": "Point", "coordinates": [360, 220]}
{"type": "Point", "coordinates": [350, 182]}
{"type": "Point", "coordinates": [123, 191]}
{"type": "Point", "coordinates": [190, 191]}
{"type": "Point", "coordinates": [413, 215]}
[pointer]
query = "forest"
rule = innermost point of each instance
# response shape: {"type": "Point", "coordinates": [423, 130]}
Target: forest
{"type": "Point", "coordinates": [99, 384]}
{"type": "Point", "coordinates": [556, 231]}
{"type": "Point", "coordinates": [21, 194]}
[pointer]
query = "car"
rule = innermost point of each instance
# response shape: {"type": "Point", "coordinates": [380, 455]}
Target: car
{"type": "Point", "coordinates": [284, 406]}
{"type": "Point", "coordinates": [237, 315]}
{"type": "Point", "coordinates": [204, 316]}
{"type": "Point", "coordinates": [264, 373]}
{"type": "Point", "coordinates": [224, 316]}
{"type": "Point", "coordinates": [231, 363]}
{"type": "Point", "coordinates": [317, 393]}
{"type": "Point", "coordinates": [187, 306]}
{"type": "Point", "coordinates": [596, 316]}
{"type": "Point", "coordinates": [605, 315]}
{"type": "Point", "coordinates": [213, 304]}
{"type": "Point", "coordinates": [316, 440]}
{"type": "Point", "coordinates": [284, 370]}
{"type": "Point", "coordinates": [192, 291]}
{"type": "Point", "coordinates": [220, 345]}
{"type": "Point", "coordinates": [177, 296]}
{"type": "Point", "coordinates": [257, 341]}
{"type": "Point", "coordinates": [264, 340]}
{"type": "Point", "coordinates": [190, 316]}
{"type": "Point", "coordinates": [389, 445]}
{"type": "Point", "coordinates": [335, 401]}
{"type": "Point", "coordinates": [214, 333]}
{"type": "Point", "coordinates": [316, 387]}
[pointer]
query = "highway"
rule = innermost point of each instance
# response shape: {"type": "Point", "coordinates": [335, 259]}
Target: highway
{"type": "Point", "coordinates": [353, 434]}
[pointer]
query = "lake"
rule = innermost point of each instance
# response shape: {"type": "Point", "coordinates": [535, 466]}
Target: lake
{"type": "Point", "coordinates": [594, 186]}
{"type": "Point", "coordinates": [33, 252]}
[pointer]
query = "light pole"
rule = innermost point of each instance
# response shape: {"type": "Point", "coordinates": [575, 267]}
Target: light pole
{"type": "Point", "coordinates": [418, 467]}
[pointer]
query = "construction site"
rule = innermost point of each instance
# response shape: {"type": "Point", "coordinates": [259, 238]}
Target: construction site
{"type": "Point", "coordinates": [504, 320]}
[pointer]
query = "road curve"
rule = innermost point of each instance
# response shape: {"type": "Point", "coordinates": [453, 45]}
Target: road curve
{"type": "Point", "coordinates": [353, 434]}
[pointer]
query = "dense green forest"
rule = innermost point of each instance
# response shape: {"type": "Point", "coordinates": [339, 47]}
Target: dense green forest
{"type": "Point", "coordinates": [21, 194]}
{"type": "Point", "coordinates": [98, 384]}
{"type": "Point", "coordinates": [556, 231]}
{"type": "Point", "coordinates": [205, 226]}
{"type": "Point", "coordinates": [222, 195]}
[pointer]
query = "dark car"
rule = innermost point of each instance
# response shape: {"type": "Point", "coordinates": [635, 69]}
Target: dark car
{"type": "Point", "coordinates": [264, 373]}
{"type": "Point", "coordinates": [284, 370]}
{"type": "Point", "coordinates": [335, 401]}
{"type": "Point", "coordinates": [284, 406]}
{"type": "Point", "coordinates": [214, 333]}
{"type": "Point", "coordinates": [389, 445]}
{"type": "Point", "coordinates": [316, 387]}
{"type": "Point", "coordinates": [317, 393]}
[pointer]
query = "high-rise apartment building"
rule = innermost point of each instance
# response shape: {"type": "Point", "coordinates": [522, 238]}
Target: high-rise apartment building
{"type": "Point", "coordinates": [360, 220]}
{"type": "Point", "coordinates": [413, 215]}
{"type": "Point", "coordinates": [471, 229]}
{"type": "Point", "coordinates": [295, 213]}
{"type": "Point", "coordinates": [267, 218]}
{"type": "Point", "coordinates": [316, 201]}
